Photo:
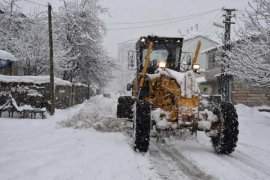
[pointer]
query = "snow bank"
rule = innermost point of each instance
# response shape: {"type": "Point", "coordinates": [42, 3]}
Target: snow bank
{"type": "Point", "coordinates": [4, 55]}
{"type": "Point", "coordinates": [33, 79]}
{"type": "Point", "coordinates": [99, 113]}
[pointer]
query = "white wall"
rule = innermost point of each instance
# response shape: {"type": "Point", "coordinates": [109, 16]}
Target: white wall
{"type": "Point", "coordinates": [125, 75]}
{"type": "Point", "coordinates": [190, 45]}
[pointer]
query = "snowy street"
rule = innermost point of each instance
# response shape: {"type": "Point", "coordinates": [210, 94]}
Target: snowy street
{"type": "Point", "coordinates": [134, 90]}
{"type": "Point", "coordinates": [88, 142]}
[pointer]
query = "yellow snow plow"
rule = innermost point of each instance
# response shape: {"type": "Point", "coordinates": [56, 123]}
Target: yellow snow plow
{"type": "Point", "coordinates": [166, 97]}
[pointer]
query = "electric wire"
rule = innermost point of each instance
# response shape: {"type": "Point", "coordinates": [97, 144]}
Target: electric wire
{"type": "Point", "coordinates": [210, 25]}
{"type": "Point", "coordinates": [160, 24]}
{"type": "Point", "coordinates": [167, 19]}
{"type": "Point", "coordinates": [205, 29]}
{"type": "Point", "coordinates": [36, 3]}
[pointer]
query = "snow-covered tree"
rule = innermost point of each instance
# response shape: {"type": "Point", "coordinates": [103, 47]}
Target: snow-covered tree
{"type": "Point", "coordinates": [249, 59]}
{"type": "Point", "coordinates": [12, 25]}
{"type": "Point", "coordinates": [79, 35]}
{"type": "Point", "coordinates": [25, 37]}
{"type": "Point", "coordinates": [35, 51]}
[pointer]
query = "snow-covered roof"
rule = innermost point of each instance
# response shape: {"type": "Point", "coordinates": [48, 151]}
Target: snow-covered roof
{"type": "Point", "coordinates": [80, 84]}
{"type": "Point", "coordinates": [33, 79]}
{"type": "Point", "coordinates": [195, 35]}
{"type": "Point", "coordinates": [4, 55]}
{"type": "Point", "coordinates": [211, 48]}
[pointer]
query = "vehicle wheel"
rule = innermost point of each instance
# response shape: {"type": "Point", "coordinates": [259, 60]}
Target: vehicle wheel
{"type": "Point", "coordinates": [124, 107]}
{"type": "Point", "coordinates": [225, 141]}
{"type": "Point", "coordinates": [142, 126]}
{"type": "Point", "coordinates": [125, 100]}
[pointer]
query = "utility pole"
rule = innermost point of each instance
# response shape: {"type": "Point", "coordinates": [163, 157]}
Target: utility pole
{"type": "Point", "coordinates": [227, 36]}
{"type": "Point", "coordinates": [52, 110]}
{"type": "Point", "coordinates": [225, 79]}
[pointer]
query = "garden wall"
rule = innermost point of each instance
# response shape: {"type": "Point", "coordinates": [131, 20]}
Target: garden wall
{"type": "Point", "coordinates": [251, 96]}
{"type": "Point", "coordinates": [35, 91]}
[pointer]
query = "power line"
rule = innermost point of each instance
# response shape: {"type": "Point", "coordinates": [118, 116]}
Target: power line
{"type": "Point", "coordinates": [35, 3]}
{"type": "Point", "coordinates": [168, 19]}
{"type": "Point", "coordinates": [207, 27]}
{"type": "Point", "coordinates": [159, 24]}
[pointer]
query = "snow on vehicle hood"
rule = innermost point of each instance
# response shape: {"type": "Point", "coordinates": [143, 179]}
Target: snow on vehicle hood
{"type": "Point", "coordinates": [179, 77]}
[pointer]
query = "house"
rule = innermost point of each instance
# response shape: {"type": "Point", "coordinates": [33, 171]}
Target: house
{"type": "Point", "coordinates": [127, 68]}
{"type": "Point", "coordinates": [9, 65]}
{"type": "Point", "coordinates": [189, 47]}
{"type": "Point", "coordinates": [250, 96]}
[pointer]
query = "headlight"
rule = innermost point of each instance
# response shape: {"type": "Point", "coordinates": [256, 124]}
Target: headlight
{"type": "Point", "coordinates": [143, 40]}
{"type": "Point", "coordinates": [162, 64]}
{"type": "Point", "coordinates": [196, 66]}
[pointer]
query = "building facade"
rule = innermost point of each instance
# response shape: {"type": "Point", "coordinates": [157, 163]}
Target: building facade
{"type": "Point", "coordinates": [189, 47]}
{"type": "Point", "coordinates": [248, 95]}
{"type": "Point", "coordinates": [127, 71]}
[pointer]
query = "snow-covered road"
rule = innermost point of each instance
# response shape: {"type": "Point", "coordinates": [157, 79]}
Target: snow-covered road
{"type": "Point", "coordinates": [96, 145]}
{"type": "Point", "coordinates": [36, 149]}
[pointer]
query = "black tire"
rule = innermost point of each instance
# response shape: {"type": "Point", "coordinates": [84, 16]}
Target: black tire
{"type": "Point", "coordinates": [125, 107]}
{"type": "Point", "coordinates": [125, 100]}
{"type": "Point", "coordinates": [142, 126]}
{"type": "Point", "coordinates": [225, 142]}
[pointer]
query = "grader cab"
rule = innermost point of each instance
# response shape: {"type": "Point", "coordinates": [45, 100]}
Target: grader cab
{"type": "Point", "coordinates": [166, 97]}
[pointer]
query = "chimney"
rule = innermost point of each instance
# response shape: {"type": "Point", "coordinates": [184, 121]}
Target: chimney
{"type": "Point", "coordinates": [180, 32]}
{"type": "Point", "coordinates": [197, 28]}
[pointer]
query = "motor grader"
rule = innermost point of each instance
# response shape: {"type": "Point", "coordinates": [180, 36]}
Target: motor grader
{"type": "Point", "coordinates": [166, 97]}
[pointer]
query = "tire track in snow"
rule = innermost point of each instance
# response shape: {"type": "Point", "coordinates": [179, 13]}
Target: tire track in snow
{"type": "Point", "coordinates": [254, 147]}
{"type": "Point", "coordinates": [245, 163]}
{"type": "Point", "coordinates": [182, 164]}
{"type": "Point", "coordinates": [251, 162]}
{"type": "Point", "coordinates": [165, 168]}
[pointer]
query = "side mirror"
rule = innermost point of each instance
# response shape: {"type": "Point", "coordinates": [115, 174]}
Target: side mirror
{"type": "Point", "coordinates": [129, 86]}
{"type": "Point", "coordinates": [131, 59]}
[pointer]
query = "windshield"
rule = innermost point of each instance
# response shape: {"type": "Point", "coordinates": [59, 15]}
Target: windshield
{"type": "Point", "coordinates": [171, 57]}
{"type": "Point", "coordinates": [159, 55]}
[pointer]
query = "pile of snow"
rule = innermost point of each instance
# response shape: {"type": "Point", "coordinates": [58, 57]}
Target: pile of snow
{"type": "Point", "coordinates": [33, 79]}
{"type": "Point", "coordinates": [99, 113]}
{"type": "Point", "coordinates": [4, 55]}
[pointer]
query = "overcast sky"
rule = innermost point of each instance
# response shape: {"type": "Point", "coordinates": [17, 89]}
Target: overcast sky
{"type": "Point", "coordinates": [131, 11]}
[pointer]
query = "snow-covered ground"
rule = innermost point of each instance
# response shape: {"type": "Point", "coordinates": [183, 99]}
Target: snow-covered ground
{"type": "Point", "coordinates": [88, 142]}
{"type": "Point", "coordinates": [41, 149]}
